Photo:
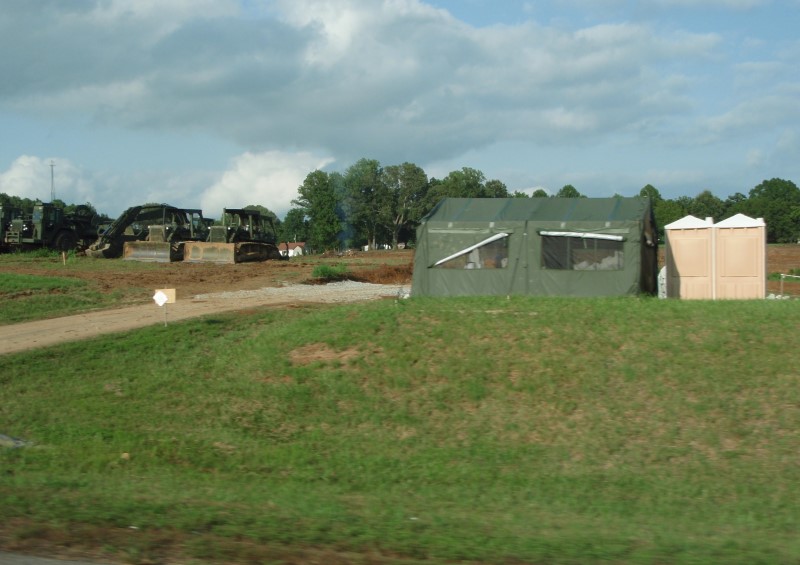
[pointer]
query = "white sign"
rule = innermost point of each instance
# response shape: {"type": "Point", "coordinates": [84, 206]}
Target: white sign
{"type": "Point", "coordinates": [164, 296]}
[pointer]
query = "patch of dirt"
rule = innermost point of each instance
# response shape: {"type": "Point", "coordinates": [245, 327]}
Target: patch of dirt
{"type": "Point", "coordinates": [190, 279]}
{"type": "Point", "coordinates": [320, 352]}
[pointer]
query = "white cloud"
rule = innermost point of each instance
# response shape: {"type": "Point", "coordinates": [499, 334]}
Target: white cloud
{"type": "Point", "coordinates": [32, 177]}
{"type": "Point", "coordinates": [269, 179]}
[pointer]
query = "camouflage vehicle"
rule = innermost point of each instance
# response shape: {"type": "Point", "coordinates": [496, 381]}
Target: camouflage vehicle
{"type": "Point", "coordinates": [243, 235]}
{"type": "Point", "coordinates": [48, 226]}
{"type": "Point", "coordinates": [150, 232]}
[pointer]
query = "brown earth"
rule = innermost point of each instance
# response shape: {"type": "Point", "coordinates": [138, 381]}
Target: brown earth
{"type": "Point", "coordinates": [203, 289]}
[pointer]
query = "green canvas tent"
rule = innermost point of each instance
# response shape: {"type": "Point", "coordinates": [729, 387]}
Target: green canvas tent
{"type": "Point", "coordinates": [537, 246]}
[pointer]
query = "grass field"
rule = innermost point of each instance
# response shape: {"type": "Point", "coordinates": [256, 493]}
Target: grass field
{"type": "Point", "coordinates": [463, 430]}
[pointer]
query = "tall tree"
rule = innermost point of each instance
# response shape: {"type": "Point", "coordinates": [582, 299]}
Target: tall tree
{"type": "Point", "coordinates": [778, 202]}
{"type": "Point", "coordinates": [368, 200]}
{"type": "Point", "coordinates": [319, 203]}
{"type": "Point", "coordinates": [408, 185]}
{"type": "Point", "coordinates": [540, 193]}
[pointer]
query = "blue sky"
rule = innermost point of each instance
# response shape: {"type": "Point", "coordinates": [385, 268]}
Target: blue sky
{"type": "Point", "coordinates": [224, 103]}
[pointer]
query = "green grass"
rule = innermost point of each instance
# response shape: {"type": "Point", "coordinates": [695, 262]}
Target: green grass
{"type": "Point", "coordinates": [490, 430]}
{"type": "Point", "coordinates": [32, 297]}
{"type": "Point", "coordinates": [45, 294]}
{"type": "Point", "coordinates": [330, 272]}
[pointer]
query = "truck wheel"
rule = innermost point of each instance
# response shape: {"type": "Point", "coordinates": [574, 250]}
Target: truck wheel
{"type": "Point", "coordinates": [65, 241]}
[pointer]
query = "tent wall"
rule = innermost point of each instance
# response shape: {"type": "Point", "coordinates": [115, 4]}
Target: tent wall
{"type": "Point", "coordinates": [554, 246]}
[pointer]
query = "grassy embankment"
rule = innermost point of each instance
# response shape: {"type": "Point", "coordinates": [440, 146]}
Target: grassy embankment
{"type": "Point", "coordinates": [28, 297]}
{"type": "Point", "coordinates": [492, 430]}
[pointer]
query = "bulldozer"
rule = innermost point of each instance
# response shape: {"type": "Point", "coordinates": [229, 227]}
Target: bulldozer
{"type": "Point", "coordinates": [48, 226]}
{"type": "Point", "coordinates": [243, 235]}
{"type": "Point", "coordinates": [150, 232]}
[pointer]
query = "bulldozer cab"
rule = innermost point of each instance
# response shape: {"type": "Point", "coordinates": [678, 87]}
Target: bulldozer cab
{"type": "Point", "coordinates": [242, 235]}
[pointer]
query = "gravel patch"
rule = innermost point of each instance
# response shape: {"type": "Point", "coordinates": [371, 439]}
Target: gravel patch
{"type": "Point", "coordinates": [342, 291]}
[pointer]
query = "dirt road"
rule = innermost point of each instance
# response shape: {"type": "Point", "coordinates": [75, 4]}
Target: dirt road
{"type": "Point", "coordinates": [42, 333]}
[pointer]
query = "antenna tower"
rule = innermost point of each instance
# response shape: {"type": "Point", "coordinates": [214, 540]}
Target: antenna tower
{"type": "Point", "coordinates": [52, 182]}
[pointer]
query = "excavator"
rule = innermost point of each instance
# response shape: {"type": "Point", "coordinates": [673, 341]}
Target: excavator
{"type": "Point", "coordinates": [150, 232]}
{"type": "Point", "coordinates": [242, 235]}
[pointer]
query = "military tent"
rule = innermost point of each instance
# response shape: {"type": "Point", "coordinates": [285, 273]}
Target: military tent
{"type": "Point", "coordinates": [537, 246]}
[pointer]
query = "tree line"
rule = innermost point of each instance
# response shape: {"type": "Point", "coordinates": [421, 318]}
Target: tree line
{"type": "Point", "coordinates": [371, 205]}
{"type": "Point", "coordinates": [374, 205]}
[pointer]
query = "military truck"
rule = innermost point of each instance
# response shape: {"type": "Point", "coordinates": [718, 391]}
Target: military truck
{"type": "Point", "coordinates": [150, 232]}
{"type": "Point", "coordinates": [243, 235]}
{"type": "Point", "coordinates": [7, 213]}
{"type": "Point", "coordinates": [48, 226]}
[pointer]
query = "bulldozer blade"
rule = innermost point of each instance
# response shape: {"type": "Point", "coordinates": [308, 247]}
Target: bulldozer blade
{"type": "Point", "coordinates": [207, 252]}
{"type": "Point", "coordinates": [148, 251]}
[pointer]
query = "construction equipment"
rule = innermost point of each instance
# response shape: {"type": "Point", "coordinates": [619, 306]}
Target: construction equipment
{"type": "Point", "coordinates": [7, 213]}
{"type": "Point", "coordinates": [48, 226]}
{"type": "Point", "coordinates": [244, 235]}
{"type": "Point", "coordinates": [150, 232]}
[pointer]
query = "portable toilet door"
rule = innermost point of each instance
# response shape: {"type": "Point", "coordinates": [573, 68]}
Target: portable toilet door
{"type": "Point", "coordinates": [740, 257]}
{"type": "Point", "coordinates": [689, 252]}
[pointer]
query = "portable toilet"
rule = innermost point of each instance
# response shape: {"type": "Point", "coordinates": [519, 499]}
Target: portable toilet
{"type": "Point", "coordinates": [741, 263]}
{"type": "Point", "coordinates": [689, 255]}
{"type": "Point", "coordinates": [716, 261]}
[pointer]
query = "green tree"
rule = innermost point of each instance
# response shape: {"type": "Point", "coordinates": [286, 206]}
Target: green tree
{"type": "Point", "coordinates": [778, 202]}
{"type": "Point", "coordinates": [706, 205]}
{"type": "Point", "coordinates": [465, 183]}
{"type": "Point", "coordinates": [651, 192]}
{"type": "Point", "coordinates": [319, 203]}
{"type": "Point", "coordinates": [408, 186]}
{"type": "Point", "coordinates": [735, 204]}
{"type": "Point", "coordinates": [519, 194]}
{"type": "Point", "coordinates": [569, 191]}
{"type": "Point", "coordinates": [666, 212]}
{"type": "Point", "coordinates": [368, 202]}
{"type": "Point", "coordinates": [539, 193]}
{"type": "Point", "coordinates": [294, 226]}
{"type": "Point", "coordinates": [494, 189]}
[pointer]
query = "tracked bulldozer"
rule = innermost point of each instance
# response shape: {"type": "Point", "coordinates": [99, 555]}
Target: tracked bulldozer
{"type": "Point", "coordinates": [243, 235]}
{"type": "Point", "coordinates": [151, 232]}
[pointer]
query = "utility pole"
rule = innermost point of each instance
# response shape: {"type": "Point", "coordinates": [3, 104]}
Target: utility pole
{"type": "Point", "coordinates": [52, 181]}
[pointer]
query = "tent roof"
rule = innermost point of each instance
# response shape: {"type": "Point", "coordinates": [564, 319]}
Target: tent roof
{"type": "Point", "coordinates": [546, 209]}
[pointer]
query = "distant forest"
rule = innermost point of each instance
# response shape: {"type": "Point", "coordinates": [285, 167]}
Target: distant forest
{"type": "Point", "coordinates": [375, 205]}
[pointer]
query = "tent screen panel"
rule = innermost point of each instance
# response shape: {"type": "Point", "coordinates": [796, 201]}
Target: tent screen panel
{"type": "Point", "coordinates": [582, 253]}
{"type": "Point", "coordinates": [491, 255]}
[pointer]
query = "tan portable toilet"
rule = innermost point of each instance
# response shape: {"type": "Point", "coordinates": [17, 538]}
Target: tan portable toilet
{"type": "Point", "coordinates": [716, 261]}
{"type": "Point", "coordinates": [690, 269]}
{"type": "Point", "coordinates": [741, 258]}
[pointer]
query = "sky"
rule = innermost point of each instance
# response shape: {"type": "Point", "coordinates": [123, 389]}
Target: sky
{"type": "Point", "coordinates": [225, 103]}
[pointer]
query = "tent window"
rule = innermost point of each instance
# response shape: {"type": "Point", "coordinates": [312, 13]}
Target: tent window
{"type": "Point", "coordinates": [488, 254]}
{"type": "Point", "coordinates": [582, 253]}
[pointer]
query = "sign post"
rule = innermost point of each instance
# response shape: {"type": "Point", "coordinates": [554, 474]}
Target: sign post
{"type": "Point", "coordinates": [162, 297]}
